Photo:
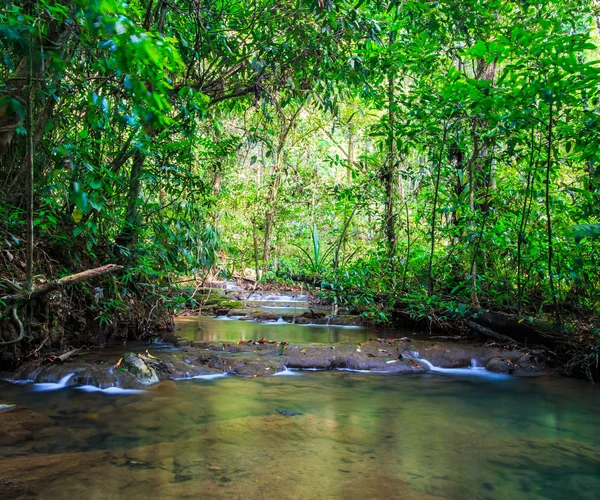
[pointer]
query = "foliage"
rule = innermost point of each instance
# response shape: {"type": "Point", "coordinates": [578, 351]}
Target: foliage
{"type": "Point", "coordinates": [447, 151]}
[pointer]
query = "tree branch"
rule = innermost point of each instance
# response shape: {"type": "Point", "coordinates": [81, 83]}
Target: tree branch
{"type": "Point", "coordinates": [67, 280]}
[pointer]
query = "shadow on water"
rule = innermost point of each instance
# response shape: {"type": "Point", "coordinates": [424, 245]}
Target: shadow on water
{"type": "Point", "coordinates": [417, 436]}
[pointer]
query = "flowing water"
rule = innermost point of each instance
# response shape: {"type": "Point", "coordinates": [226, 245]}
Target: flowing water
{"type": "Point", "coordinates": [439, 434]}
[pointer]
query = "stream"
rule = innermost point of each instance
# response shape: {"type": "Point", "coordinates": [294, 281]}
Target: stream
{"type": "Point", "coordinates": [438, 434]}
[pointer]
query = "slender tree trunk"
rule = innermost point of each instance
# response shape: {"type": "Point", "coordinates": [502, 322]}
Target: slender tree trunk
{"type": "Point", "coordinates": [14, 89]}
{"type": "Point", "coordinates": [29, 164]}
{"type": "Point", "coordinates": [548, 220]}
{"type": "Point", "coordinates": [389, 174]}
{"type": "Point", "coordinates": [523, 222]}
{"type": "Point", "coordinates": [129, 234]}
{"type": "Point", "coordinates": [342, 239]}
{"type": "Point", "coordinates": [270, 213]}
{"type": "Point", "coordinates": [485, 72]}
{"type": "Point", "coordinates": [474, 298]}
{"type": "Point", "coordinates": [433, 213]}
{"type": "Point", "coordinates": [256, 261]}
{"type": "Point", "coordinates": [408, 246]}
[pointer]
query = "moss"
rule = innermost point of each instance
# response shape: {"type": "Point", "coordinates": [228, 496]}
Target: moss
{"type": "Point", "coordinates": [232, 304]}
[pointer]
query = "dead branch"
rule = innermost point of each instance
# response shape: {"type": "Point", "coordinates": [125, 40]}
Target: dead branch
{"type": "Point", "coordinates": [64, 357]}
{"type": "Point", "coordinates": [67, 280]}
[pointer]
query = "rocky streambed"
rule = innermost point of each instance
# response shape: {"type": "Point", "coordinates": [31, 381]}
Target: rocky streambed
{"type": "Point", "coordinates": [183, 359]}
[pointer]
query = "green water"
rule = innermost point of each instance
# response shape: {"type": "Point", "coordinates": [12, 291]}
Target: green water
{"type": "Point", "coordinates": [227, 330]}
{"type": "Point", "coordinates": [420, 436]}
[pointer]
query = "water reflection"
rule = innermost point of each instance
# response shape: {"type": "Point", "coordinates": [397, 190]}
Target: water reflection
{"type": "Point", "coordinates": [210, 329]}
{"type": "Point", "coordinates": [418, 436]}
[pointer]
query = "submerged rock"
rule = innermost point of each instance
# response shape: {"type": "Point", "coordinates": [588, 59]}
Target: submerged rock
{"type": "Point", "coordinates": [16, 489]}
{"type": "Point", "coordinates": [288, 413]}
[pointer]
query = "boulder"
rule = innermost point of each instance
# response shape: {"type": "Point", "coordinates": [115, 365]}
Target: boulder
{"type": "Point", "coordinates": [143, 373]}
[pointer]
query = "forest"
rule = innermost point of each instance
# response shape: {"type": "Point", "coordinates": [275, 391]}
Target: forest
{"type": "Point", "coordinates": [299, 249]}
{"type": "Point", "coordinates": [413, 160]}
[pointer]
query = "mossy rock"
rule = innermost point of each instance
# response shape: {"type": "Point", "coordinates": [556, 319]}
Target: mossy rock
{"type": "Point", "coordinates": [144, 374]}
{"type": "Point", "coordinates": [240, 312]}
{"type": "Point", "coordinates": [211, 300]}
{"type": "Point", "coordinates": [231, 304]}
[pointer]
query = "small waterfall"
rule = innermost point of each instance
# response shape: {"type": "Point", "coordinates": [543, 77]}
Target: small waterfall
{"type": "Point", "coordinates": [474, 363]}
{"type": "Point", "coordinates": [108, 390]}
{"type": "Point", "coordinates": [53, 386]}
{"type": "Point", "coordinates": [328, 320]}
{"type": "Point", "coordinates": [286, 372]}
{"type": "Point", "coordinates": [202, 377]}
{"type": "Point", "coordinates": [472, 370]}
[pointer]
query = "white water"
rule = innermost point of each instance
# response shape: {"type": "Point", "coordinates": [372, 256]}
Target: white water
{"type": "Point", "coordinates": [472, 370]}
{"type": "Point", "coordinates": [286, 372]}
{"type": "Point", "coordinates": [108, 390]}
{"type": "Point", "coordinates": [280, 321]}
{"type": "Point", "coordinates": [17, 381]}
{"type": "Point", "coordinates": [228, 318]}
{"type": "Point", "coordinates": [53, 386]}
{"type": "Point", "coordinates": [203, 377]}
{"type": "Point", "coordinates": [257, 297]}
{"type": "Point", "coordinates": [361, 371]}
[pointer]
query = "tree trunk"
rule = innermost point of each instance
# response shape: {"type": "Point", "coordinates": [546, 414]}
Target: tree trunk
{"type": "Point", "coordinates": [29, 166]}
{"type": "Point", "coordinates": [548, 220]}
{"type": "Point", "coordinates": [129, 234]}
{"type": "Point", "coordinates": [389, 174]}
{"type": "Point", "coordinates": [15, 89]}
{"type": "Point", "coordinates": [433, 213]}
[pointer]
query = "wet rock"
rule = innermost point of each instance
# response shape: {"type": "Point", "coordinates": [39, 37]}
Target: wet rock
{"type": "Point", "coordinates": [347, 320]}
{"type": "Point", "coordinates": [143, 373]}
{"type": "Point", "coordinates": [512, 356]}
{"type": "Point", "coordinates": [449, 354]}
{"type": "Point", "coordinates": [526, 364]}
{"type": "Point", "coordinates": [302, 320]}
{"type": "Point", "coordinates": [240, 312]}
{"type": "Point", "coordinates": [265, 316]}
{"type": "Point", "coordinates": [6, 407]}
{"type": "Point", "coordinates": [381, 364]}
{"type": "Point", "coordinates": [499, 365]}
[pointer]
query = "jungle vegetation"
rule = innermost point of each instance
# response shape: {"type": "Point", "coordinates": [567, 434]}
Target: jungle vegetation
{"type": "Point", "coordinates": [438, 157]}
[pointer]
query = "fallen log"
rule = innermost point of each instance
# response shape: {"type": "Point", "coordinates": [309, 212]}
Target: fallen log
{"type": "Point", "coordinates": [56, 284]}
{"type": "Point", "coordinates": [490, 333]}
{"type": "Point", "coordinates": [523, 330]}
{"type": "Point", "coordinates": [64, 357]}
